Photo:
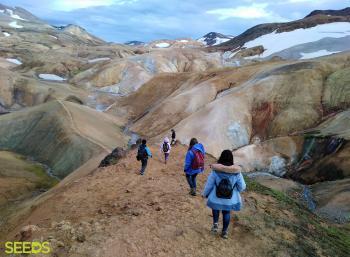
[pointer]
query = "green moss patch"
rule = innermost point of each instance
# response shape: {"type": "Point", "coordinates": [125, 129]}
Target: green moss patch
{"type": "Point", "coordinates": [313, 235]}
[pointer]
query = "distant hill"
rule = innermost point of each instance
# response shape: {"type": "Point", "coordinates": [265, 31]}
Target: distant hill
{"type": "Point", "coordinates": [134, 43]}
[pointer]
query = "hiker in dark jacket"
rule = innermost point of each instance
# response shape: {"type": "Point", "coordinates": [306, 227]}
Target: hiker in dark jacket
{"type": "Point", "coordinates": [223, 189]}
{"type": "Point", "coordinates": [173, 137]}
{"type": "Point", "coordinates": [194, 164]}
{"type": "Point", "coordinates": [143, 154]}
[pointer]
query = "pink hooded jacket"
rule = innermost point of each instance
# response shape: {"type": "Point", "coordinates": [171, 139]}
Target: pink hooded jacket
{"type": "Point", "coordinates": [166, 140]}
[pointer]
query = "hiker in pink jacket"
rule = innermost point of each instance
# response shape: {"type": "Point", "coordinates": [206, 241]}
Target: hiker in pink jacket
{"type": "Point", "coordinates": [165, 149]}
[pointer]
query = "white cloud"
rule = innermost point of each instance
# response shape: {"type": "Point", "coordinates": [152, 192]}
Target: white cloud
{"type": "Point", "coordinates": [69, 5]}
{"type": "Point", "coordinates": [254, 11]}
{"type": "Point", "coordinates": [314, 2]}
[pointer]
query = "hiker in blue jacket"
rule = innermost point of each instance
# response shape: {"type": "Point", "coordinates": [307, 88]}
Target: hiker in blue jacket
{"type": "Point", "coordinates": [143, 154]}
{"type": "Point", "coordinates": [194, 164]}
{"type": "Point", "coordinates": [222, 189]}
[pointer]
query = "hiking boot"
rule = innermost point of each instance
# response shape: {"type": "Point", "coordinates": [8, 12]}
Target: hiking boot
{"type": "Point", "coordinates": [214, 228]}
{"type": "Point", "coordinates": [224, 234]}
{"type": "Point", "coordinates": [193, 192]}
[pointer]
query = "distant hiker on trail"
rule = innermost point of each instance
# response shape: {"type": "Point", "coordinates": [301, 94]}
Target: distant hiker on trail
{"type": "Point", "coordinates": [222, 189]}
{"type": "Point", "coordinates": [143, 153]}
{"type": "Point", "coordinates": [165, 149]}
{"type": "Point", "coordinates": [173, 137]}
{"type": "Point", "coordinates": [194, 164]}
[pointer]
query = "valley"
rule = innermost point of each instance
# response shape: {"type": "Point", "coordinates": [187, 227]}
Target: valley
{"type": "Point", "coordinates": [68, 99]}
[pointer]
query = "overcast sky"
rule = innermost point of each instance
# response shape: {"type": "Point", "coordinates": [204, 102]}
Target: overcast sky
{"type": "Point", "coordinates": [146, 20]}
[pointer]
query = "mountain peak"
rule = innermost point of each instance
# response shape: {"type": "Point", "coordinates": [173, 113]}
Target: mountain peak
{"type": "Point", "coordinates": [214, 38]}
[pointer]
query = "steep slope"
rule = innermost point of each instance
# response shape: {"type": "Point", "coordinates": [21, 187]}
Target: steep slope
{"type": "Point", "coordinates": [63, 135]}
{"type": "Point", "coordinates": [19, 178]}
{"type": "Point", "coordinates": [114, 211]}
{"type": "Point", "coordinates": [264, 100]}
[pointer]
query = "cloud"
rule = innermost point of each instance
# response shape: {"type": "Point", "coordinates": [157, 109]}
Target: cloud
{"type": "Point", "coordinates": [146, 20]}
{"type": "Point", "coordinates": [69, 5]}
{"type": "Point", "coordinates": [253, 11]}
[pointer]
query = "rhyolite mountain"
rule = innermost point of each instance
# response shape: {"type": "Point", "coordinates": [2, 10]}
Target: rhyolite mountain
{"type": "Point", "coordinates": [68, 99]}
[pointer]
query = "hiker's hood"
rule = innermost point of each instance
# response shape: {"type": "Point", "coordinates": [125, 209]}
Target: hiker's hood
{"type": "Point", "coordinates": [227, 169]}
{"type": "Point", "coordinates": [166, 140]}
{"type": "Point", "coordinates": [198, 147]}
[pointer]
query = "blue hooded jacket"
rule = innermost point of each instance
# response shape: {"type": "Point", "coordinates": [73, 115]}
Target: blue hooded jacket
{"type": "Point", "coordinates": [189, 159]}
{"type": "Point", "coordinates": [235, 203]}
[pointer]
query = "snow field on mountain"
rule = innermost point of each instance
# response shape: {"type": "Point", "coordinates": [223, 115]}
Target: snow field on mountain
{"type": "Point", "coordinates": [15, 25]}
{"type": "Point", "coordinates": [15, 61]}
{"type": "Point", "coordinates": [99, 59]}
{"type": "Point", "coordinates": [51, 77]}
{"type": "Point", "coordinates": [162, 45]}
{"type": "Point", "coordinates": [275, 42]}
{"type": "Point", "coordinates": [316, 54]}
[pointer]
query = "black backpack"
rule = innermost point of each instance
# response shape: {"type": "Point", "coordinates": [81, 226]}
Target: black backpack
{"type": "Point", "coordinates": [225, 189]}
{"type": "Point", "coordinates": [141, 153]}
{"type": "Point", "coordinates": [165, 147]}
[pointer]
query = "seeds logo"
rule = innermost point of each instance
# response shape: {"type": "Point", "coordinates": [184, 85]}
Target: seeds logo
{"type": "Point", "coordinates": [27, 247]}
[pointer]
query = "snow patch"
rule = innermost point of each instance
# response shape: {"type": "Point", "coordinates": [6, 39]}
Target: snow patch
{"type": "Point", "coordinates": [316, 54]}
{"type": "Point", "coordinates": [15, 25]}
{"type": "Point", "coordinates": [2, 11]}
{"type": "Point", "coordinates": [15, 16]}
{"type": "Point", "coordinates": [99, 59]}
{"type": "Point", "coordinates": [219, 41]}
{"type": "Point", "coordinates": [6, 34]}
{"type": "Point", "coordinates": [162, 45]}
{"type": "Point", "coordinates": [202, 40]}
{"type": "Point", "coordinates": [53, 36]}
{"type": "Point", "coordinates": [276, 42]}
{"type": "Point", "coordinates": [13, 60]}
{"type": "Point", "coordinates": [252, 57]}
{"type": "Point", "coordinates": [51, 77]}
{"type": "Point", "coordinates": [183, 41]}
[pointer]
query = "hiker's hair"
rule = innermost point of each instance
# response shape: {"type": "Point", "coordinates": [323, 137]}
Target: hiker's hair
{"type": "Point", "coordinates": [192, 143]}
{"type": "Point", "coordinates": [226, 158]}
{"type": "Point", "coordinates": [144, 141]}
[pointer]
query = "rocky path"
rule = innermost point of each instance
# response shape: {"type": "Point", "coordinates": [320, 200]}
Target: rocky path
{"type": "Point", "coordinates": [116, 212]}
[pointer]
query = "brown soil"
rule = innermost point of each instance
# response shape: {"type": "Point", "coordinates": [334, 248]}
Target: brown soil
{"type": "Point", "coordinates": [116, 212]}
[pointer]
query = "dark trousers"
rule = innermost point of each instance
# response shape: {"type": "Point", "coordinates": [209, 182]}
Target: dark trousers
{"type": "Point", "coordinates": [191, 179]}
{"type": "Point", "coordinates": [143, 166]}
{"type": "Point", "coordinates": [226, 216]}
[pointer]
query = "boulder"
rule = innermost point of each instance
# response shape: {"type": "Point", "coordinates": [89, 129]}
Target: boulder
{"type": "Point", "coordinates": [113, 157]}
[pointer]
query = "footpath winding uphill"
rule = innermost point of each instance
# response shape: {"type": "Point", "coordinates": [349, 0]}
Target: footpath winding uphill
{"type": "Point", "coordinates": [113, 211]}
